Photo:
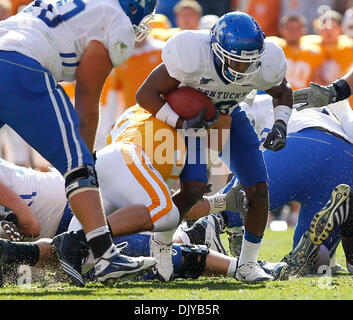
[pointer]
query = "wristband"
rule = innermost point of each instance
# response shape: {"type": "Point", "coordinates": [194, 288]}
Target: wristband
{"type": "Point", "coordinates": [342, 88]}
{"type": "Point", "coordinates": [282, 112]}
{"type": "Point", "coordinates": [217, 203]}
{"type": "Point", "coordinates": [167, 115]}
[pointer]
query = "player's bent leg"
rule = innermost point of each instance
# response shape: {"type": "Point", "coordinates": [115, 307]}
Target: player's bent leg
{"type": "Point", "coordinates": [332, 215]}
{"type": "Point", "coordinates": [110, 264]}
{"type": "Point", "coordinates": [139, 184]}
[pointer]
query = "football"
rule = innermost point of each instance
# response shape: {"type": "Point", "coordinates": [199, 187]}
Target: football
{"type": "Point", "coordinates": [188, 102]}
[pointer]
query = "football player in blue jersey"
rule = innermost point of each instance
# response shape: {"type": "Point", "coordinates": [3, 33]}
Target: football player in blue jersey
{"type": "Point", "coordinates": [49, 42]}
{"type": "Point", "coordinates": [227, 63]}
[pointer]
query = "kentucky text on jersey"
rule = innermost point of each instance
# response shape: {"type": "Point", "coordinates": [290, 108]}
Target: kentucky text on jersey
{"type": "Point", "coordinates": [224, 95]}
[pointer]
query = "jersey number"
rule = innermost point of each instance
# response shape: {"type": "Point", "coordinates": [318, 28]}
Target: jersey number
{"type": "Point", "coordinates": [56, 20]}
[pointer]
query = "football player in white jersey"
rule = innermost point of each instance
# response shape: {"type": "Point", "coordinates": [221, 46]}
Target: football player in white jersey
{"type": "Point", "coordinates": [226, 64]}
{"type": "Point", "coordinates": [51, 41]}
{"type": "Point", "coordinates": [315, 166]}
{"type": "Point", "coordinates": [37, 199]}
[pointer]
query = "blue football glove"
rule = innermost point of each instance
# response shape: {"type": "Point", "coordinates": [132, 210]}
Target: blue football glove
{"type": "Point", "coordinates": [276, 138]}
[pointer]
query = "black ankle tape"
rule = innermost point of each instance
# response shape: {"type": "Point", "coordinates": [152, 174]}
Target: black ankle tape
{"type": "Point", "coordinates": [100, 244]}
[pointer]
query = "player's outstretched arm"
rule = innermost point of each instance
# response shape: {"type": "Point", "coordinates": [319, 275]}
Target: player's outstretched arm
{"type": "Point", "coordinates": [28, 223]}
{"type": "Point", "coordinates": [316, 96]}
{"type": "Point", "coordinates": [95, 66]}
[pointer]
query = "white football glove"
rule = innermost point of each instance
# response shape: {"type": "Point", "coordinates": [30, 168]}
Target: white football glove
{"type": "Point", "coordinates": [315, 96]}
{"type": "Point", "coordinates": [236, 200]}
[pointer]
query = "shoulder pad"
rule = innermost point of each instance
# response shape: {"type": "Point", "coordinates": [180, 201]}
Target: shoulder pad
{"type": "Point", "coordinates": [120, 44]}
{"type": "Point", "coordinates": [273, 64]}
{"type": "Point", "coordinates": [182, 52]}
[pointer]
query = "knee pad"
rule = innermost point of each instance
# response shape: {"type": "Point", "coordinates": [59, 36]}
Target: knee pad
{"type": "Point", "coordinates": [194, 261]}
{"type": "Point", "coordinates": [80, 179]}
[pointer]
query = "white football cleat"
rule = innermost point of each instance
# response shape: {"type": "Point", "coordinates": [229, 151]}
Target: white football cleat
{"type": "Point", "coordinates": [162, 253]}
{"type": "Point", "coordinates": [252, 272]}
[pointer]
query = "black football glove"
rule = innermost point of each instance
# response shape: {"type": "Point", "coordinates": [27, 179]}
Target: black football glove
{"type": "Point", "coordinates": [199, 122]}
{"type": "Point", "coordinates": [276, 138]}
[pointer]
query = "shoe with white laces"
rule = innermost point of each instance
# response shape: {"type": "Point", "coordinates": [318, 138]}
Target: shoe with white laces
{"type": "Point", "coordinates": [207, 230]}
{"type": "Point", "coordinates": [162, 253]}
{"type": "Point", "coordinates": [252, 272]}
{"type": "Point", "coordinates": [334, 214]}
{"type": "Point", "coordinates": [114, 266]}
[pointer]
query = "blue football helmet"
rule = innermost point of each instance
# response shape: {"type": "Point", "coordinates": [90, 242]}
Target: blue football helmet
{"type": "Point", "coordinates": [237, 37]}
{"type": "Point", "coordinates": [140, 13]}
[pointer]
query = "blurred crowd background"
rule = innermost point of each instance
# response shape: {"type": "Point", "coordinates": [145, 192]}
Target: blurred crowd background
{"type": "Point", "coordinates": [316, 36]}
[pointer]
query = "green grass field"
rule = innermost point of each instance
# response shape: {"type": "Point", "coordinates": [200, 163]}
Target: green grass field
{"type": "Point", "coordinates": [275, 246]}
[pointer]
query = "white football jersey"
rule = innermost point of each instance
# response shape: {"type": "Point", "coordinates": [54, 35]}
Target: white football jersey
{"type": "Point", "coordinates": [44, 193]}
{"type": "Point", "coordinates": [56, 33]}
{"type": "Point", "coordinates": [189, 58]}
{"type": "Point", "coordinates": [261, 115]}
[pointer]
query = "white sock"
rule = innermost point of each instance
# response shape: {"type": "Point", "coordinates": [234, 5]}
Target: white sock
{"type": "Point", "coordinates": [165, 237]}
{"type": "Point", "coordinates": [249, 252]}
